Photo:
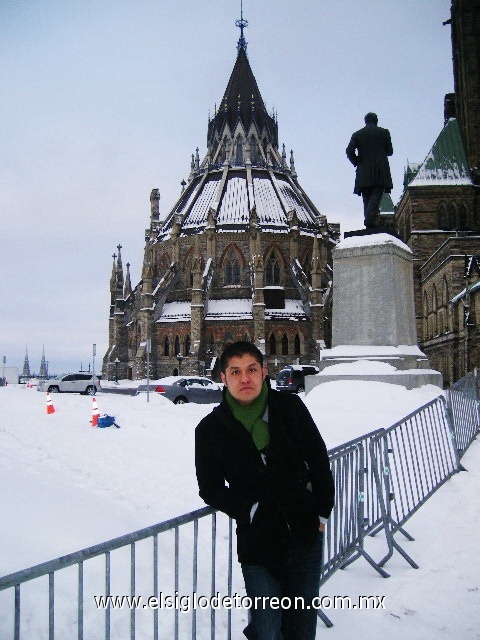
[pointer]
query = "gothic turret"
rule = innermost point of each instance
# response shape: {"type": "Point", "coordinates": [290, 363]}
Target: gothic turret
{"type": "Point", "coordinates": [231, 258]}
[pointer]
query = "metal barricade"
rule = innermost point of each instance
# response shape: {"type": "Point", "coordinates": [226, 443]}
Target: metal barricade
{"type": "Point", "coordinates": [463, 405]}
{"type": "Point", "coordinates": [381, 480]}
{"type": "Point", "coordinates": [410, 461]}
{"type": "Point", "coordinates": [112, 585]}
{"type": "Point", "coordinates": [345, 530]}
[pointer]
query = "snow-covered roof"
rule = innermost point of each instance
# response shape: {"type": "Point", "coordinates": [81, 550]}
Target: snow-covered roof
{"type": "Point", "coordinates": [197, 216]}
{"type": "Point", "coordinates": [176, 312]}
{"type": "Point", "coordinates": [293, 309]}
{"type": "Point", "coordinates": [230, 309]}
{"type": "Point", "coordinates": [446, 162]}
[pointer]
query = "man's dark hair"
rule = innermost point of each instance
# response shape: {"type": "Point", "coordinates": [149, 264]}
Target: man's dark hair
{"type": "Point", "coordinates": [371, 118]}
{"type": "Point", "coordinates": [237, 350]}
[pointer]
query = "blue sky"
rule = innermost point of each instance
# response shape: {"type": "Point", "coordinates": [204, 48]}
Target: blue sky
{"type": "Point", "coordinates": [102, 101]}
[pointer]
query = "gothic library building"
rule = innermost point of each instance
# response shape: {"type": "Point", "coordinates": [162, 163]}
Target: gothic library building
{"type": "Point", "coordinates": [245, 254]}
{"type": "Point", "coordinates": [242, 254]}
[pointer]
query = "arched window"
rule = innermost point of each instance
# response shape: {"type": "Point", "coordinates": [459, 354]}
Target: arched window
{"type": "Point", "coordinates": [443, 218]}
{"type": "Point", "coordinates": [297, 345]}
{"type": "Point", "coordinates": [425, 316]}
{"type": "Point", "coordinates": [445, 299]}
{"type": "Point", "coordinates": [284, 345]}
{"type": "Point", "coordinates": [232, 269]}
{"type": "Point", "coordinates": [188, 344]}
{"type": "Point", "coordinates": [273, 345]}
{"type": "Point", "coordinates": [166, 346]}
{"type": "Point", "coordinates": [177, 345]}
{"type": "Point", "coordinates": [239, 151]}
{"type": "Point", "coordinates": [253, 149]}
{"type": "Point", "coordinates": [272, 272]}
{"type": "Point", "coordinates": [435, 310]}
{"type": "Point", "coordinates": [164, 264]}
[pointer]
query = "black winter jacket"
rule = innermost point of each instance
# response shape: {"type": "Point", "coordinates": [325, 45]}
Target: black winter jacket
{"type": "Point", "coordinates": [293, 487]}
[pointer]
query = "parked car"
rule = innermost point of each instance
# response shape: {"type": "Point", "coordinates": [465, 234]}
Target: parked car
{"type": "Point", "coordinates": [183, 389]}
{"type": "Point", "coordinates": [84, 383]}
{"type": "Point", "coordinates": [292, 377]}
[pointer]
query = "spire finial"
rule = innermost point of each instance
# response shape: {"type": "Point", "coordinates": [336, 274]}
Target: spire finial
{"type": "Point", "coordinates": [241, 24]}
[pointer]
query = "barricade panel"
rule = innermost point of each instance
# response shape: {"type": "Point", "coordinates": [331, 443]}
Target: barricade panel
{"type": "Point", "coordinates": [463, 403]}
{"type": "Point", "coordinates": [411, 460]}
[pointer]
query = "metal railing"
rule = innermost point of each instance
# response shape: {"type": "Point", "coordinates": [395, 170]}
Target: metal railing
{"type": "Point", "coordinates": [155, 569]}
{"type": "Point", "coordinates": [381, 479]}
{"type": "Point", "coordinates": [463, 403]}
{"type": "Point", "coordinates": [411, 460]}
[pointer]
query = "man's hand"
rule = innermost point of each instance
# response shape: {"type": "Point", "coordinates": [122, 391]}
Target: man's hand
{"type": "Point", "coordinates": [321, 526]}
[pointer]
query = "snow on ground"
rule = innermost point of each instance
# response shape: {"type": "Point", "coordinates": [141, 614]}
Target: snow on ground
{"type": "Point", "coordinates": [67, 485]}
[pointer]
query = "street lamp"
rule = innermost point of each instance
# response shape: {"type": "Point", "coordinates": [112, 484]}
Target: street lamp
{"type": "Point", "coordinates": [116, 362]}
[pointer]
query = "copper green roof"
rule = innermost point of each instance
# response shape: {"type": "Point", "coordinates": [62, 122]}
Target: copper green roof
{"type": "Point", "coordinates": [446, 162]}
{"type": "Point", "coordinates": [386, 204]}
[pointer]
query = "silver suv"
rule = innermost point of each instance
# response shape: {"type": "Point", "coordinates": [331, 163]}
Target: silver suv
{"type": "Point", "coordinates": [84, 383]}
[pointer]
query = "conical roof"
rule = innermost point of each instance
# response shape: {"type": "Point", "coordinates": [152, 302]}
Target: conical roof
{"type": "Point", "coordinates": [244, 179]}
{"type": "Point", "coordinates": [242, 101]}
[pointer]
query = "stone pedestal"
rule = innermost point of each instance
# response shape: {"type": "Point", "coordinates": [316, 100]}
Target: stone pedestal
{"type": "Point", "coordinates": [373, 325]}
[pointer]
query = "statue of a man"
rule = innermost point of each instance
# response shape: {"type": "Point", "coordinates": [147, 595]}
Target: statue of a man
{"type": "Point", "coordinates": [368, 151]}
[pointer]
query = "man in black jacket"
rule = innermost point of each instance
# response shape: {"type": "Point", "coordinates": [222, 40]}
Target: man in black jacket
{"type": "Point", "coordinates": [368, 151]}
{"type": "Point", "coordinates": [260, 459]}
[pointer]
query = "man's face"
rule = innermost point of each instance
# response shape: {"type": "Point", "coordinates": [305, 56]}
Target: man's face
{"type": "Point", "coordinates": [244, 377]}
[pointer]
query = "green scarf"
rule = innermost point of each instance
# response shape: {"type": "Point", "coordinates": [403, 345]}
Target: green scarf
{"type": "Point", "coordinates": [251, 416]}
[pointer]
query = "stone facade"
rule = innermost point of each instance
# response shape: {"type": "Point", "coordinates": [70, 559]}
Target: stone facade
{"type": "Point", "coordinates": [438, 215]}
{"type": "Point", "coordinates": [242, 254]}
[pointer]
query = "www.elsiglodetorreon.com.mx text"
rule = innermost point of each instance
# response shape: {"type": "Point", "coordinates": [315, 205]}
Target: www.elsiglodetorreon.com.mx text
{"type": "Point", "coordinates": [194, 601]}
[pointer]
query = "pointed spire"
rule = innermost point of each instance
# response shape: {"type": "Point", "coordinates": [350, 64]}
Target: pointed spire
{"type": "Point", "coordinates": [26, 365]}
{"type": "Point", "coordinates": [284, 157]}
{"type": "Point", "coordinates": [113, 277]}
{"type": "Point", "coordinates": [155, 204]}
{"type": "Point", "coordinates": [292, 164]}
{"type": "Point", "coordinates": [127, 289]}
{"type": "Point", "coordinates": [241, 24]}
{"type": "Point", "coordinates": [241, 101]}
{"type": "Point", "coordinates": [119, 272]}
{"type": "Point", "coordinates": [197, 160]}
{"type": "Point", "coordinates": [43, 365]}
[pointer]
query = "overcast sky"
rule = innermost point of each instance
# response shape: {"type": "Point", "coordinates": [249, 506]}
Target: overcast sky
{"type": "Point", "coordinates": [103, 100]}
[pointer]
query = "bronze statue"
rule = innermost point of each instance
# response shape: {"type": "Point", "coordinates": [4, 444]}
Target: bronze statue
{"type": "Point", "coordinates": [368, 151]}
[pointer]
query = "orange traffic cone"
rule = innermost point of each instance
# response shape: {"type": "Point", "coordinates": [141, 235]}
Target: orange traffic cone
{"type": "Point", "coordinates": [95, 413]}
{"type": "Point", "coordinates": [50, 407]}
